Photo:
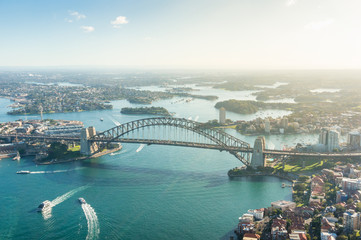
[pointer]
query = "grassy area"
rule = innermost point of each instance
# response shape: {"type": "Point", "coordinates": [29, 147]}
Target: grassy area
{"type": "Point", "coordinates": [76, 148]}
{"type": "Point", "coordinates": [295, 166]}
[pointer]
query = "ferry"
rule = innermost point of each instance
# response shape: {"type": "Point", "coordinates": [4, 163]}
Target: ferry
{"type": "Point", "coordinates": [82, 200]}
{"type": "Point", "coordinates": [23, 172]}
{"type": "Point", "coordinates": [44, 205]}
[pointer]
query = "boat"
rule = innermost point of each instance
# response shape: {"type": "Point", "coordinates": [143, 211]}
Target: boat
{"type": "Point", "coordinates": [23, 172]}
{"type": "Point", "coordinates": [283, 185]}
{"type": "Point", "coordinates": [82, 200]}
{"type": "Point", "coordinates": [17, 157]}
{"type": "Point", "coordinates": [101, 119]}
{"type": "Point", "coordinates": [43, 206]}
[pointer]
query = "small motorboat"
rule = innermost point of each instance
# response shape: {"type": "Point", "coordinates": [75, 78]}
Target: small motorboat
{"type": "Point", "coordinates": [82, 201]}
{"type": "Point", "coordinates": [43, 206]}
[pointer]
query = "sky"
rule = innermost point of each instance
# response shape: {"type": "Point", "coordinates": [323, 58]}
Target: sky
{"type": "Point", "coordinates": [214, 34]}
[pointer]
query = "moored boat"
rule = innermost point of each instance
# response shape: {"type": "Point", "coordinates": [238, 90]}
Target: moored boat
{"type": "Point", "coordinates": [17, 157]}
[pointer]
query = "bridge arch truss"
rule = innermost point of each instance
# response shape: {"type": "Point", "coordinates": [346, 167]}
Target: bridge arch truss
{"type": "Point", "coordinates": [218, 139]}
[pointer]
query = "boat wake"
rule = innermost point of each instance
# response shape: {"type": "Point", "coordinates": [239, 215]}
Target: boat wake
{"type": "Point", "coordinates": [46, 212]}
{"type": "Point", "coordinates": [140, 147]}
{"type": "Point", "coordinates": [92, 221]}
{"type": "Point", "coordinates": [66, 196]}
{"type": "Point", "coordinates": [115, 121]}
{"type": "Point", "coordinates": [117, 153]}
{"type": "Point", "coordinates": [56, 171]}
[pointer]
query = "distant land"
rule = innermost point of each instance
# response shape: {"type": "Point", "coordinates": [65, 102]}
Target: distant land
{"type": "Point", "coordinates": [146, 110]}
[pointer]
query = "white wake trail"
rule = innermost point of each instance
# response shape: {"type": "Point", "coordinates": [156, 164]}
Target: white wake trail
{"type": "Point", "coordinates": [55, 171]}
{"type": "Point", "coordinates": [140, 147]}
{"type": "Point", "coordinates": [47, 211]}
{"type": "Point", "coordinates": [92, 221]}
{"type": "Point", "coordinates": [117, 153]}
{"type": "Point", "coordinates": [115, 121]}
{"type": "Point", "coordinates": [66, 196]}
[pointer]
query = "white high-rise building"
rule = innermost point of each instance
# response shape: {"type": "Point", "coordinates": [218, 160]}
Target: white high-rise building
{"type": "Point", "coordinates": [332, 140]}
{"type": "Point", "coordinates": [284, 123]}
{"type": "Point", "coordinates": [352, 220]}
{"type": "Point", "coordinates": [323, 137]}
{"type": "Point", "coordinates": [267, 126]}
{"type": "Point", "coordinates": [329, 138]}
{"type": "Point", "coordinates": [222, 115]}
{"type": "Point", "coordinates": [354, 140]}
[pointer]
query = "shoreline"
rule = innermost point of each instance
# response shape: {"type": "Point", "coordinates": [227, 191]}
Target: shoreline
{"type": "Point", "coordinates": [288, 178]}
{"type": "Point", "coordinates": [96, 155]}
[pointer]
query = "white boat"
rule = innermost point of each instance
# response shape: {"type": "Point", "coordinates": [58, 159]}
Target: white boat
{"type": "Point", "coordinates": [82, 201]}
{"type": "Point", "coordinates": [101, 119]}
{"type": "Point", "coordinates": [23, 172]}
{"type": "Point", "coordinates": [43, 206]}
{"type": "Point", "coordinates": [17, 157]}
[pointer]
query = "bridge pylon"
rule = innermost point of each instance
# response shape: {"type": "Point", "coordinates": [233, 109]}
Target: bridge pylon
{"type": "Point", "coordinates": [87, 147]}
{"type": "Point", "coordinates": [258, 157]}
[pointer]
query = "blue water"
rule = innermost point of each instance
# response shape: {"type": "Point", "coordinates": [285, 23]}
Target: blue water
{"type": "Point", "coordinates": [161, 192]}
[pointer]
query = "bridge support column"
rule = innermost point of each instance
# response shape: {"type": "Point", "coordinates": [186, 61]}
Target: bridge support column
{"type": "Point", "coordinates": [86, 147]}
{"type": "Point", "coordinates": [258, 158]}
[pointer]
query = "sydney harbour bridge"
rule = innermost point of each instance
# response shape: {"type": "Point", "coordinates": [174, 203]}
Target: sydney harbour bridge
{"type": "Point", "coordinates": [176, 132]}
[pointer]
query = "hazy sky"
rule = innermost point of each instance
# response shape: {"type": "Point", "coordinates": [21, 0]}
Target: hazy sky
{"type": "Point", "coordinates": [231, 34]}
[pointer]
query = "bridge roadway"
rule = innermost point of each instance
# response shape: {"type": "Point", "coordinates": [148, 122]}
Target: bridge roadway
{"type": "Point", "coordinates": [267, 152]}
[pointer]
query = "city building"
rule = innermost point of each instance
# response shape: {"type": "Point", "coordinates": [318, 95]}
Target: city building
{"type": "Point", "coordinates": [278, 229]}
{"type": "Point", "coordinates": [354, 140]}
{"type": "Point", "coordinates": [341, 196]}
{"type": "Point", "coordinates": [245, 224]}
{"type": "Point", "coordinates": [332, 140]}
{"type": "Point", "coordinates": [352, 220]}
{"type": "Point", "coordinates": [257, 213]}
{"type": "Point", "coordinates": [323, 137]}
{"type": "Point", "coordinates": [284, 123]}
{"type": "Point", "coordinates": [283, 205]}
{"type": "Point", "coordinates": [222, 115]}
{"type": "Point", "coordinates": [251, 236]}
{"type": "Point", "coordinates": [297, 236]}
{"type": "Point", "coordinates": [267, 126]}
{"type": "Point", "coordinates": [64, 130]}
{"type": "Point", "coordinates": [328, 236]}
{"type": "Point", "coordinates": [349, 185]}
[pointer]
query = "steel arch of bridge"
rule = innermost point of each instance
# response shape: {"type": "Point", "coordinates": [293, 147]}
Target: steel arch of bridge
{"type": "Point", "coordinates": [222, 140]}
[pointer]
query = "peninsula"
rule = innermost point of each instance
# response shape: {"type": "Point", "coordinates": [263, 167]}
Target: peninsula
{"type": "Point", "coordinates": [146, 110]}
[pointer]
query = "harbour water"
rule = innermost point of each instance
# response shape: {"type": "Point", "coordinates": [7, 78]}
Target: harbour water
{"type": "Point", "coordinates": [159, 192]}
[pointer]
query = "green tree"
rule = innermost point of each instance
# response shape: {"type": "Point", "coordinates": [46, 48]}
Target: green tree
{"type": "Point", "coordinates": [339, 210]}
{"type": "Point", "coordinates": [57, 150]}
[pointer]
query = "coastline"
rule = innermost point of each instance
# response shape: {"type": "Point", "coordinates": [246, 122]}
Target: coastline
{"type": "Point", "coordinates": [285, 177]}
{"type": "Point", "coordinates": [79, 158]}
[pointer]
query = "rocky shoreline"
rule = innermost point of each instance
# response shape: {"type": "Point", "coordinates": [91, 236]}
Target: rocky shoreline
{"type": "Point", "coordinates": [235, 173]}
{"type": "Point", "coordinates": [79, 158]}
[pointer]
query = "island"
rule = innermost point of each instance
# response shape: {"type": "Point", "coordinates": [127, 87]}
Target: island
{"type": "Point", "coordinates": [146, 110]}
